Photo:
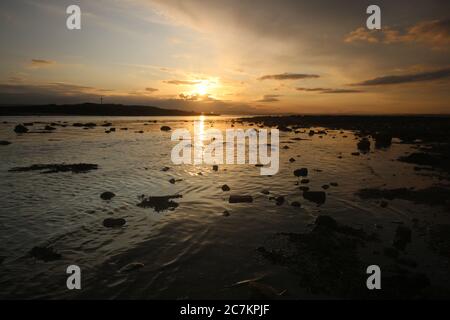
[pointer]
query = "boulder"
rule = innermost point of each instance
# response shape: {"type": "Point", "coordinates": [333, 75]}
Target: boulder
{"type": "Point", "coordinates": [114, 223]}
{"type": "Point", "coordinates": [107, 195]}
{"type": "Point", "coordinates": [20, 129]}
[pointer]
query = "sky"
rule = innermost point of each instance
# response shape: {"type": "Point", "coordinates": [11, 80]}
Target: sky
{"type": "Point", "coordinates": [230, 56]}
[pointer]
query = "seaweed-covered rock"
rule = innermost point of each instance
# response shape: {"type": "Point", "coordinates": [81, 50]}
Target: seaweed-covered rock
{"type": "Point", "coordinates": [159, 203]}
{"type": "Point", "coordinates": [45, 254]}
{"type": "Point", "coordinates": [114, 222]}
{"type": "Point", "coordinates": [318, 197]}
{"type": "Point", "coordinates": [107, 195]}
{"type": "Point", "coordinates": [303, 172]}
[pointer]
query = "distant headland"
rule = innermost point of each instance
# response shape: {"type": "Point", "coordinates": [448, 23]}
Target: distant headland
{"type": "Point", "coordinates": [90, 109]}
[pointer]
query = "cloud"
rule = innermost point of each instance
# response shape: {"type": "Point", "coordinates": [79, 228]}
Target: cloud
{"type": "Point", "coordinates": [182, 82]}
{"type": "Point", "coordinates": [288, 76]}
{"type": "Point", "coordinates": [270, 98]}
{"type": "Point", "coordinates": [435, 33]}
{"type": "Point", "coordinates": [327, 90]}
{"type": "Point", "coordinates": [39, 63]}
{"type": "Point", "coordinates": [151, 90]}
{"type": "Point", "coordinates": [406, 78]}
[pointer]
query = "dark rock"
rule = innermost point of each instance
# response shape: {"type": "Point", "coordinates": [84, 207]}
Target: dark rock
{"type": "Point", "coordinates": [325, 187]}
{"type": "Point", "coordinates": [304, 181]}
{"type": "Point", "coordinates": [226, 213]}
{"type": "Point", "coordinates": [165, 169]}
{"type": "Point", "coordinates": [107, 195]}
{"type": "Point", "coordinates": [355, 153]}
{"type": "Point", "coordinates": [107, 124]}
{"type": "Point", "coordinates": [20, 129]}
{"type": "Point", "coordinates": [265, 192]}
{"type": "Point", "coordinates": [159, 203]}
{"type": "Point", "coordinates": [49, 128]}
{"type": "Point", "coordinates": [166, 128]}
{"type": "Point", "coordinates": [303, 172]}
{"type": "Point", "coordinates": [364, 145]}
{"type": "Point", "coordinates": [240, 199]}
{"type": "Point", "coordinates": [4, 143]}
{"type": "Point", "coordinates": [55, 168]}
{"type": "Point", "coordinates": [114, 223]}
{"type": "Point", "coordinates": [279, 200]}
{"type": "Point", "coordinates": [334, 184]}
{"type": "Point", "coordinates": [319, 197]}
{"type": "Point", "coordinates": [383, 140]}
{"type": "Point", "coordinates": [291, 160]}
{"type": "Point", "coordinates": [296, 204]}
{"type": "Point", "coordinates": [303, 188]}
{"type": "Point", "coordinates": [45, 254]}
{"type": "Point", "coordinates": [225, 188]}
{"type": "Point", "coordinates": [215, 167]}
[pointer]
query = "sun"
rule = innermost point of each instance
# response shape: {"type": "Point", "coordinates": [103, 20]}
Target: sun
{"type": "Point", "coordinates": [202, 88]}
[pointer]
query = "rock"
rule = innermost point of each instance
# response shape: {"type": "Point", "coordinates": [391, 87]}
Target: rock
{"type": "Point", "coordinates": [159, 203]}
{"type": "Point", "coordinates": [304, 181]}
{"type": "Point", "coordinates": [292, 160]}
{"type": "Point", "coordinates": [364, 145]}
{"type": "Point", "coordinates": [49, 128]}
{"type": "Point", "coordinates": [4, 143]}
{"type": "Point", "coordinates": [45, 254]}
{"type": "Point", "coordinates": [402, 237]}
{"type": "Point", "coordinates": [319, 197]}
{"type": "Point", "coordinates": [296, 204]}
{"type": "Point", "coordinates": [311, 133]}
{"type": "Point", "coordinates": [286, 147]}
{"type": "Point", "coordinates": [325, 187]}
{"type": "Point", "coordinates": [114, 223]}
{"type": "Point", "coordinates": [303, 188]}
{"type": "Point", "coordinates": [303, 172]}
{"type": "Point", "coordinates": [107, 195]}
{"type": "Point", "coordinates": [20, 129]}
{"type": "Point", "coordinates": [334, 184]}
{"type": "Point", "coordinates": [383, 140]}
{"type": "Point", "coordinates": [226, 213]}
{"type": "Point", "coordinates": [355, 153]}
{"type": "Point", "coordinates": [166, 128]}
{"type": "Point", "coordinates": [225, 188]}
{"type": "Point", "coordinates": [165, 169]}
{"type": "Point", "coordinates": [131, 267]}
{"type": "Point", "coordinates": [240, 199]}
{"type": "Point", "coordinates": [112, 129]}
{"type": "Point", "coordinates": [55, 168]}
{"type": "Point", "coordinates": [28, 124]}
{"type": "Point", "coordinates": [107, 124]}
{"type": "Point", "coordinates": [384, 204]}
{"type": "Point", "coordinates": [215, 167]}
{"type": "Point", "coordinates": [279, 200]}
{"type": "Point", "coordinates": [266, 192]}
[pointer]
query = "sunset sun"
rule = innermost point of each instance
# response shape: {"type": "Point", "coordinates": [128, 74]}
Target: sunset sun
{"type": "Point", "coordinates": [202, 88]}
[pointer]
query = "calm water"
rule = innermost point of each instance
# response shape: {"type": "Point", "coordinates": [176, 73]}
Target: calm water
{"type": "Point", "coordinates": [193, 251]}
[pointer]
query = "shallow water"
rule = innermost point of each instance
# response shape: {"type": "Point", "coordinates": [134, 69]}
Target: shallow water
{"type": "Point", "coordinates": [193, 251]}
